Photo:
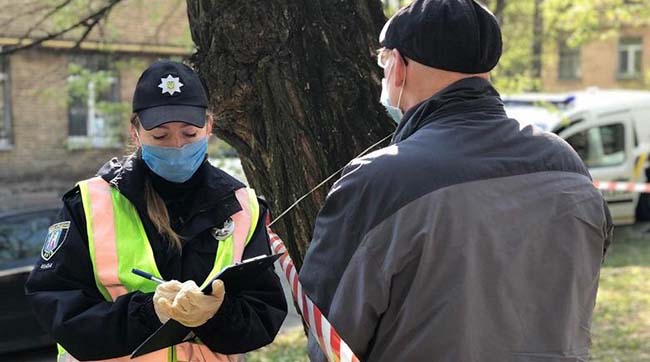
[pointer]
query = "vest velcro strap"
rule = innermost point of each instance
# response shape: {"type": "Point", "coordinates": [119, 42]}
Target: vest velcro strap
{"type": "Point", "coordinates": [103, 221]}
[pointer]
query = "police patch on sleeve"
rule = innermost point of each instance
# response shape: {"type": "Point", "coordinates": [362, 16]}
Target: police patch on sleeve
{"type": "Point", "coordinates": [55, 238]}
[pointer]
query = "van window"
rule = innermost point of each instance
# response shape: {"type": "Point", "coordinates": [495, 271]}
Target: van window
{"type": "Point", "coordinates": [600, 146]}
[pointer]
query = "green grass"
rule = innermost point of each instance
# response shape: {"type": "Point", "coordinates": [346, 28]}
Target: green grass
{"type": "Point", "coordinates": [288, 347]}
{"type": "Point", "coordinates": [621, 324]}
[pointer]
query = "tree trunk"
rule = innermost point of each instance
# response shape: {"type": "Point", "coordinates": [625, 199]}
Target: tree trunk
{"type": "Point", "coordinates": [538, 40]}
{"type": "Point", "coordinates": [294, 88]}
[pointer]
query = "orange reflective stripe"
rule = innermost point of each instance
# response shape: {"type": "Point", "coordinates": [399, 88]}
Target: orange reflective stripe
{"type": "Point", "coordinates": [242, 221]}
{"type": "Point", "coordinates": [66, 357]}
{"type": "Point", "coordinates": [193, 352]}
{"type": "Point", "coordinates": [103, 221]}
{"type": "Point", "coordinates": [104, 236]}
{"type": "Point", "coordinates": [157, 356]}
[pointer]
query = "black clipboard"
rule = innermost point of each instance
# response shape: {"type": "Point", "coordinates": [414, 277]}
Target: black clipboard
{"type": "Point", "coordinates": [235, 278]}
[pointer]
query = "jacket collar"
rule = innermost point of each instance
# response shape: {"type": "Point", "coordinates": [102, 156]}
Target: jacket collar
{"type": "Point", "coordinates": [464, 97]}
{"type": "Point", "coordinates": [128, 175]}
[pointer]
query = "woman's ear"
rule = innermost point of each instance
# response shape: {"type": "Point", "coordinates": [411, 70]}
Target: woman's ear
{"type": "Point", "coordinates": [134, 136]}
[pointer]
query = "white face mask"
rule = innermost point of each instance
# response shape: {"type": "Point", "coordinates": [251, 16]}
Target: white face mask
{"type": "Point", "coordinates": [393, 111]}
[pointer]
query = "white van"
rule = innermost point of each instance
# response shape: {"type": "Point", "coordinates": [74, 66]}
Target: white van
{"type": "Point", "coordinates": [610, 130]}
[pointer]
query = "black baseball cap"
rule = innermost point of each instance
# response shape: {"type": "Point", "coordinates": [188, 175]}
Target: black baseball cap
{"type": "Point", "coordinates": [169, 91]}
{"type": "Point", "coordinates": [454, 35]}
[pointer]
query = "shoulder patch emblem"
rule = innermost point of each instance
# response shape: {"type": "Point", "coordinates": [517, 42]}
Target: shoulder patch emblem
{"type": "Point", "coordinates": [55, 237]}
{"type": "Point", "coordinates": [225, 231]}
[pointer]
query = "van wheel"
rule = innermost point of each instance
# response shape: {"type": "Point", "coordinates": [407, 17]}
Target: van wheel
{"type": "Point", "coordinates": [643, 208]}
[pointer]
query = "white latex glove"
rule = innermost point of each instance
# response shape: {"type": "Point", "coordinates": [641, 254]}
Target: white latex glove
{"type": "Point", "coordinates": [192, 308]}
{"type": "Point", "coordinates": [164, 297]}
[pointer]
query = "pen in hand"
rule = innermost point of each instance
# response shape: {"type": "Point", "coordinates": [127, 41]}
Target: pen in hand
{"type": "Point", "coordinates": [146, 275]}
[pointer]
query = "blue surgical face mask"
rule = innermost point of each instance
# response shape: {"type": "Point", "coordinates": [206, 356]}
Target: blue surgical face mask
{"type": "Point", "coordinates": [394, 112]}
{"type": "Point", "coordinates": [175, 164]}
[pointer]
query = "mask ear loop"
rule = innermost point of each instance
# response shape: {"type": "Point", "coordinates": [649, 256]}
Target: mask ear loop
{"type": "Point", "coordinates": [286, 211]}
{"type": "Point", "coordinates": [399, 98]}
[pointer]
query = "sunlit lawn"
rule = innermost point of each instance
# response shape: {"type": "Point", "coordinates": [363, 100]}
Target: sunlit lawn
{"type": "Point", "coordinates": [288, 347]}
{"type": "Point", "coordinates": [621, 326]}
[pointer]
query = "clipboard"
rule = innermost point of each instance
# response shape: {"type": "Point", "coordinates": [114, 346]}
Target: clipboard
{"type": "Point", "coordinates": [235, 278]}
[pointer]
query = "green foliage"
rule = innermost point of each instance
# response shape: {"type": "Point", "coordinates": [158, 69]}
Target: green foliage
{"type": "Point", "coordinates": [575, 22]}
{"type": "Point", "coordinates": [71, 14]}
{"type": "Point", "coordinates": [579, 21]}
{"type": "Point", "coordinates": [80, 77]}
{"type": "Point", "coordinates": [512, 74]}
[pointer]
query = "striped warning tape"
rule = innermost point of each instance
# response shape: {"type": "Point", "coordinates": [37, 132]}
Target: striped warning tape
{"type": "Point", "coordinates": [622, 186]}
{"type": "Point", "coordinates": [329, 340]}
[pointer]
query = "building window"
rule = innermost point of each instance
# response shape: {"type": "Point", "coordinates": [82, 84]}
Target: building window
{"type": "Point", "coordinates": [569, 67]}
{"type": "Point", "coordinates": [94, 107]}
{"type": "Point", "coordinates": [5, 103]}
{"type": "Point", "coordinates": [630, 51]}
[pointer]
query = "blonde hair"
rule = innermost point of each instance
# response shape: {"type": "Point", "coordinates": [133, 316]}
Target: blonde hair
{"type": "Point", "coordinates": [156, 209]}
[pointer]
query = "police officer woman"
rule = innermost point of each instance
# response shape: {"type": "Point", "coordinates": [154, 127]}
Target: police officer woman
{"type": "Point", "coordinates": [165, 210]}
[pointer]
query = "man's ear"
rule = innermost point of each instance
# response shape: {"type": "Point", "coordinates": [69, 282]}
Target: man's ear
{"type": "Point", "coordinates": [399, 75]}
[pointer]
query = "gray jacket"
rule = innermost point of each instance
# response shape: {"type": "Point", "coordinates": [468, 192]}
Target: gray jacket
{"type": "Point", "coordinates": [467, 239]}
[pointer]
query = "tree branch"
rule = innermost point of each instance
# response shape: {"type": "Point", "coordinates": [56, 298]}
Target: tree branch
{"type": "Point", "coordinates": [49, 14]}
{"type": "Point", "coordinates": [89, 22]}
{"type": "Point", "coordinates": [162, 24]}
{"type": "Point", "coordinates": [31, 12]}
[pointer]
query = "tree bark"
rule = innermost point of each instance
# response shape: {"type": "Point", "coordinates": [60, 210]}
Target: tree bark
{"type": "Point", "coordinates": [294, 88]}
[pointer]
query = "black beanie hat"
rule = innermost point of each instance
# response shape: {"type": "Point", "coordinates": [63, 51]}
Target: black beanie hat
{"type": "Point", "coordinates": [454, 35]}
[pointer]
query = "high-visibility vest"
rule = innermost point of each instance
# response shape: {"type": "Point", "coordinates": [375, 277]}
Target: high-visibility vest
{"type": "Point", "coordinates": [118, 243]}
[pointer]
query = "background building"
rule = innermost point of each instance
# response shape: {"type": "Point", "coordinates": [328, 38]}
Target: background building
{"type": "Point", "coordinates": [64, 107]}
{"type": "Point", "coordinates": [619, 61]}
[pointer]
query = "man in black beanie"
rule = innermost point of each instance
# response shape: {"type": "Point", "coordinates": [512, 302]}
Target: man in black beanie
{"type": "Point", "coordinates": [468, 238]}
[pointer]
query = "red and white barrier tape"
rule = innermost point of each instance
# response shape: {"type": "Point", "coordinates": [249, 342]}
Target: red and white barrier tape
{"type": "Point", "coordinates": [622, 186]}
{"type": "Point", "coordinates": [330, 342]}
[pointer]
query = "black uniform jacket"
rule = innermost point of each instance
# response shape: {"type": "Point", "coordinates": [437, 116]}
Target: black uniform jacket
{"type": "Point", "coordinates": [66, 301]}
